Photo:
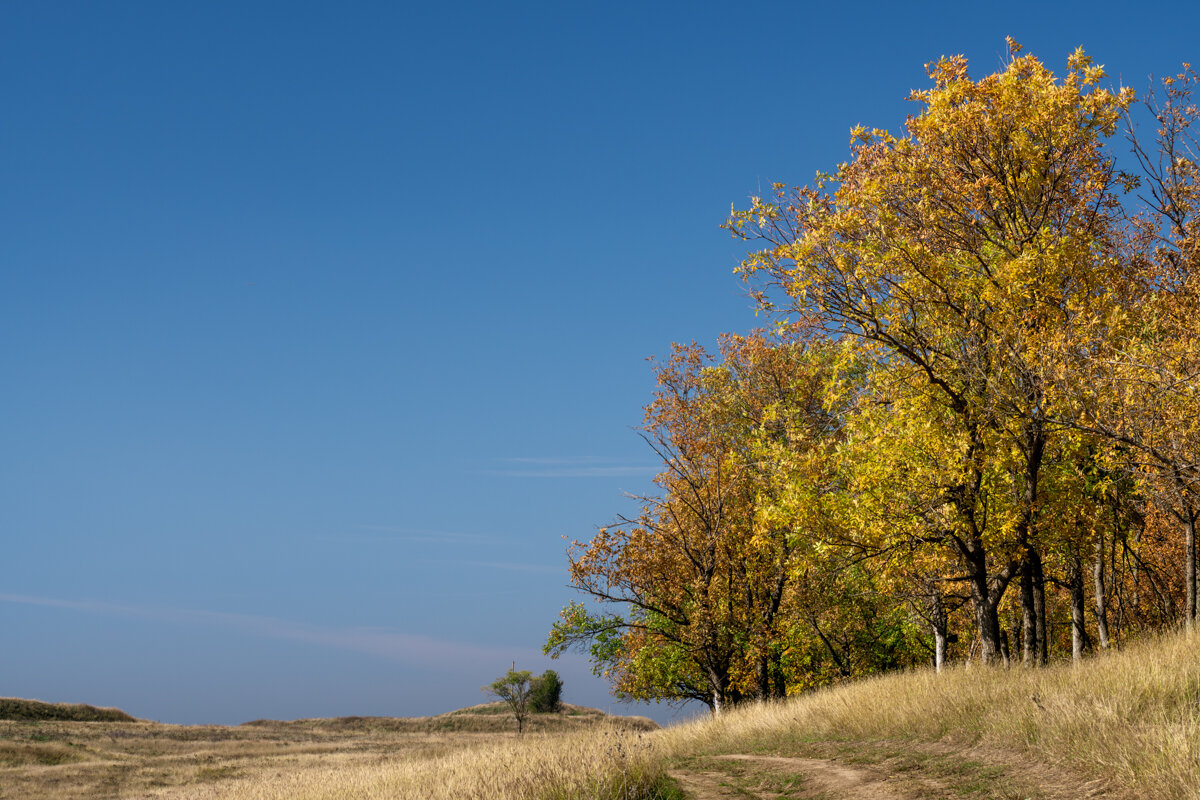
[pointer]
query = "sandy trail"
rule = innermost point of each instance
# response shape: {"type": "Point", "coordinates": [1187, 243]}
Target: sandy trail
{"type": "Point", "coordinates": [765, 777]}
{"type": "Point", "coordinates": [829, 779]}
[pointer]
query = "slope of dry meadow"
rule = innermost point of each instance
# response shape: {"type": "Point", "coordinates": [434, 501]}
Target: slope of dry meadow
{"type": "Point", "coordinates": [472, 752]}
{"type": "Point", "coordinates": [1124, 726]}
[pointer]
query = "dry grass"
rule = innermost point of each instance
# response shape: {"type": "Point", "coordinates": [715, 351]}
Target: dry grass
{"type": "Point", "coordinates": [604, 764]}
{"type": "Point", "coordinates": [472, 753]}
{"type": "Point", "coordinates": [1128, 720]}
{"type": "Point", "coordinates": [485, 718]}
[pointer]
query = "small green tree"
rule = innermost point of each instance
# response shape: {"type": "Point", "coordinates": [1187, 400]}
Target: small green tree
{"type": "Point", "coordinates": [547, 693]}
{"type": "Point", "coordinates": [514, 688]}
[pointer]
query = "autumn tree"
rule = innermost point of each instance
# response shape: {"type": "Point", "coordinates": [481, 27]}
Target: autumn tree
{"type": "Point", "coordinates": [954, 256]}
{"type": "Point", "coordinates": [710, 571]}
{"type": "Point", "coordinates": [1145, 366]}
{"type": "Point", "coordinates": [670, 565]}
{"type": "Point", "coordinates": [985, 374]}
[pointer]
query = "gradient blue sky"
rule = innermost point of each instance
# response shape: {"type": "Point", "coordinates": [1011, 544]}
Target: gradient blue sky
{"type": "Point", "coordinates": [324, 324]}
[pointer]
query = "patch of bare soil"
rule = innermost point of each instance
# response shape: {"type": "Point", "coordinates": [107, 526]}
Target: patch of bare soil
{"type": "Point", "coordinates": [884, 771]}
{"type": "Point", "coordinates": [785, 777]}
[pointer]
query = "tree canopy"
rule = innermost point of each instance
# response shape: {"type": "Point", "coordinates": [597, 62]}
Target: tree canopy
{"type": "Point", "coordinates": [977, 408]}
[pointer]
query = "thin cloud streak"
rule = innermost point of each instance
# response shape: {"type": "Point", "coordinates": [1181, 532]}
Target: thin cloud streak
{"type": "Point", "coordinates": [570, 467]}
{"type": "Point", "coordinates": [394, 534]}
{"type": "Point", "coordinates": [512, 566]}
{"type": "Point", "coordinates": [399, 647]}
{"type": "Point", "coordinates": [584, 472]}
{"type": "Point", "coordinates": [560, 460]}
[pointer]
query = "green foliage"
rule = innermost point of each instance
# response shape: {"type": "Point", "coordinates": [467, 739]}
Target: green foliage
{"type": "Point", "coordinates": [514, 688]}
{"type": "Point", "coordinates": [13, 708]}
{"type": "Point", "coordinates": [547, 693]}
{"type": "Point", "coordinates": [599, 634]}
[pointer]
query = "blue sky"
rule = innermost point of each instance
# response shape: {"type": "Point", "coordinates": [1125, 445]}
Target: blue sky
{"type": "Point", "coordinates": [325, 323]}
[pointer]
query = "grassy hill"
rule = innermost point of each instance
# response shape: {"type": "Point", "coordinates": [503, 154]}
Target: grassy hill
{"type": "Point", "coordinates": [484, 718]}
{"type": "Point", "coordinates": [55, 751]}
{"type": "Point", "coordinates": [1122, 724]}
{"type": "Point", "coordinates": [17, 709]}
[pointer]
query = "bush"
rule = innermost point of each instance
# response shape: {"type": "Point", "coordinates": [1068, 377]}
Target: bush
{"type": "Point", "coordinates": [546, 694]}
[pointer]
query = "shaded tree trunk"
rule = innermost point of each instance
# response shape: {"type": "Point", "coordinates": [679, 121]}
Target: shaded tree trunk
{"type": "Point", "coordinates": [987, 623]}
{"type": "Point", "coordinates": [1101, 594]}
{"type": "Point", "coordinates": [1079, 637]}
{"type": "Point", "coordinates": [769, 677]}
{"type": "Point", "coordinates": [984, 602]}
{"type": "Point", "coordinates": [1029, 628]}
{"type": "Point", "coordinates": [762, 675]}
{"type": "Point", "coordinates": [1189, 567]}
{"type": "Point", "coordinates": [1039, 607]}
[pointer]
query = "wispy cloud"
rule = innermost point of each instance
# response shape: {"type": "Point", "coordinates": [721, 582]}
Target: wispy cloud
{"type": "Point", "coordinates": [390, 534]}
{"type": "Point", "coordinates": [570, 467]}
{"type": "Point", "coordinates": [513, 566]}
{"type": "Point", "coordinates": [400, 647]}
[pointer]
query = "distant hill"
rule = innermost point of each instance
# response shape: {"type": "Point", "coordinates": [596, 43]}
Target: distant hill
{"type": "Point", "coordinates": [17, 709]}
{"type": "Point", "coordinates": [484, 718]}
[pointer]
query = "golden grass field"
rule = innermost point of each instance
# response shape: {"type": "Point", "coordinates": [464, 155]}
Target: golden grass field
{"type": "Point", "coordinates": [1119, 725]}
{"type": "Point", "coordinates": [469, 753]}
{"type": "Point", "coordinates": [1123, 725]}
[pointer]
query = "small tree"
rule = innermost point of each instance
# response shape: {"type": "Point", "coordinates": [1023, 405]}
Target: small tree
{"type": "Point", "coordinates": [547, 693]}
{"type": "Point", "coordinates": [514, 689]}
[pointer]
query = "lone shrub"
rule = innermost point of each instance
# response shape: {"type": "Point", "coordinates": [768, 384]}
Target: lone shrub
{"type": "Point", "coordinates": [546, 694]}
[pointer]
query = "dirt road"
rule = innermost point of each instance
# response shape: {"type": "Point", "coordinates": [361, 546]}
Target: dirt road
{"type": "Point", "coordinates": [882, 771]}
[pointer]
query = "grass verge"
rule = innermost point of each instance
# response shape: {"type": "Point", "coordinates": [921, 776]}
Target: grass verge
{"type": "Point", "coordinates": [1129, 721]}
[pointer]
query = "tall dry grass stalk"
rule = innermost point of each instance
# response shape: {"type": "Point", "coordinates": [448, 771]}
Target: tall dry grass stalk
{"type": "Point", "coordinates": [1132, 718]}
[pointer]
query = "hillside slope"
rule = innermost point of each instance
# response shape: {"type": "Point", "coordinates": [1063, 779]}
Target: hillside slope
{"type": "Point", "coordinates": [14, 708]}
{"type": "Point", "coordinates": [484, 718]}
{"type": "Point", "coordinates": [1122, 724]}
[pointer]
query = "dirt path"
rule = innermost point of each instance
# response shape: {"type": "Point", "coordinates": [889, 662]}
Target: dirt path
{"type": "Point", "coordinates": [780, 777]}
{"type": "Point", "coordinates": [882, 771]}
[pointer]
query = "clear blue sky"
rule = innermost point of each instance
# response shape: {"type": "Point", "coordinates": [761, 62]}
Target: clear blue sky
{"type": "Point", "coordinates": [324, 324]}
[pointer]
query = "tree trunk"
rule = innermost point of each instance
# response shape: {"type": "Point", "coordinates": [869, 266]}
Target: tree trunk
{"type": "Point", "coordinates": [769, 676]}
{"type": "Point", "coordinates": [1101, 594]}
{"type": "Point", "coordinates": [1039, 607]}
{"type": "Point", "coordinates": [987, 623]}
{"type": "Point", "coordinates": [987, 620]}
{"type": "Point", "coordinates": [763, 676]}
{"type": "Point", "coordinates": [1078, 631]}
{"type": "Point", "coordinates": [938, 621]}
{"type": "Point", "coordinates": [718, 683]}
{"type": "Point", "coordinates": [1189, 567]}
{"type": "Point", "coordinates": [1029, 635]}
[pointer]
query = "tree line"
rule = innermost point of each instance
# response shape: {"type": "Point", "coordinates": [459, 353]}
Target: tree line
{"type": "Point", "coordinates": [972, 431]}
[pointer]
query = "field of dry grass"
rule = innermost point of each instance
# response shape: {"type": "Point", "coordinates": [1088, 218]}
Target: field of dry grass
{"type": "Point", "coordinates": [1123, 725]}
{"type": "Point", "coordinates": [1120, 725]}
{"type": "Point", "coordinates": [470, 753]}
